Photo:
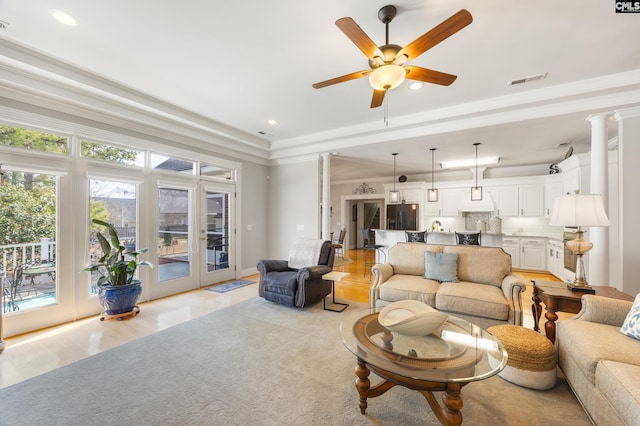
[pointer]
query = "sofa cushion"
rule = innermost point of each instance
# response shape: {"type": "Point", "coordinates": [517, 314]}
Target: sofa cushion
{"type": "Point", "coordinates": [403, 287]}
{"type": "Point", "coordinates": [416, 237]}
{"type": "Point", "coordinates": [408, 258]}
{"type": "Point", "coordinates": [441, 267]}
{"type": "Point", "coordinates": [619, 383]}
{"type": "Point", "coordinates": [592, 342]}
{"type": "Point", "coordinates": [468, 239]}
{"type": "Point", "coordinates": [631, 325]}
{"type": "Point", "coordinates": [484, 265]}
{"type": "Point", "coordinates": [474, 299]}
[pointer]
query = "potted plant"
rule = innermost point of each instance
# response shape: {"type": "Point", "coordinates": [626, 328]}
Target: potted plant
{"type": "Point", "coordinates": [117, 289]}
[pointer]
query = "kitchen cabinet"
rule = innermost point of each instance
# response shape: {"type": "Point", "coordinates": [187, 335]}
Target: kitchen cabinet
{"type": "Point", "coordinates": [512, 246]}
{"type": "Point", "coordinates": [533, 252]}
{"type": "Point", "coordinates": [506, 198]}
{"type": "Point", "coordinates": [526, 252]}
{"type": "Point", "coordinates": [551, 192]}
{"type": "Point", "coordinates": [555, 257]}
{"type": "Point", "coordinates": [520, 201]}
{"type": "Point", "coordinates": [448, 205]}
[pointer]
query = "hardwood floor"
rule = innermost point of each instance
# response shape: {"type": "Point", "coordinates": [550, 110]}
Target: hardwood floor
{"type": "Point", "coordinates": [35, 353]}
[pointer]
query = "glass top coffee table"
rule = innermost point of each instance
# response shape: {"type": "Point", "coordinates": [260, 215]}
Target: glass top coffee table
{"type": "Point", "coordinates": [457, 353]}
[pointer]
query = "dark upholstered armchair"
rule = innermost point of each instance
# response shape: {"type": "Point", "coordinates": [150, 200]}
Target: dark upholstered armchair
{"type": "Point", "coordinates": [298, 287]}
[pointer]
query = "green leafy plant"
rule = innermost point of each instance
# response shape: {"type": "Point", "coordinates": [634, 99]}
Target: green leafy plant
{"type": "Point", "coordinates": [113, 268]}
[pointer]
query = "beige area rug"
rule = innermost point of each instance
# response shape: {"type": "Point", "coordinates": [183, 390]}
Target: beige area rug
{"type": "Point", "coordinates": [254, 363]}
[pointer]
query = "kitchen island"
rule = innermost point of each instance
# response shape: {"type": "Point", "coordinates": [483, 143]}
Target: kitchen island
{"type": "Point", "coordinates": [389, 238]}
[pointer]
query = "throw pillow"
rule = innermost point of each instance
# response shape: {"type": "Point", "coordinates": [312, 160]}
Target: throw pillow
{"type": "Point", "coordinates": [631, 325]}
{"type": "Point", "coordinates": [468, 239]}
{"type": "Point", "coordinates": [416, 237]}
{"type": "Point", "coordinates": [441, 267]}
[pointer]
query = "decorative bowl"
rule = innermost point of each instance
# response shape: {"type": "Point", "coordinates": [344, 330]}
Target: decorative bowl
{"type": "Point", "coordinates": [411, 318]}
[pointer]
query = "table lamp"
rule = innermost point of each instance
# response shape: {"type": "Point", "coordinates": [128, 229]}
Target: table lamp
{"type": "Point", "coordinates": [579, 210]}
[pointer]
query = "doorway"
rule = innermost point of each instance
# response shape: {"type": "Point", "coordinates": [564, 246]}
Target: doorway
{"type": "Point", "coordinates": [366, 213]}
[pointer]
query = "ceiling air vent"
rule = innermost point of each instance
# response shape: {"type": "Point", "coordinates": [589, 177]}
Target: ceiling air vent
{"type": "Point", "coordinates": [527, 79]}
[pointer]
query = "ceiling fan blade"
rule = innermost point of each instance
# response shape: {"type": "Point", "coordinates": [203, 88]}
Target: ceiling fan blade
{"type": "Point", "coordinates": [378, 97]}
{"type": "Point", "coordinates": [358, 37]}
{"type": "Point", "coordinates": [341, 79]}
{"type": "Point", "coordinates": [437, 34]}
{"type": "Point", "coordinates": [429, 76]}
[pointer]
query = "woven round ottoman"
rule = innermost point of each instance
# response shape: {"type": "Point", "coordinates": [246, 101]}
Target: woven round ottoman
{"type": "Point", "coordinates": [531, 357]}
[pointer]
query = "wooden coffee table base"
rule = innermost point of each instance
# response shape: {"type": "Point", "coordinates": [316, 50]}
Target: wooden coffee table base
{"type": "Point", "coordinates": [448, 415]}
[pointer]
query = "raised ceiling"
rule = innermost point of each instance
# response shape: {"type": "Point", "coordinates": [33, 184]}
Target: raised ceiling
{"type": "Point", "coordinates": [238, 64]}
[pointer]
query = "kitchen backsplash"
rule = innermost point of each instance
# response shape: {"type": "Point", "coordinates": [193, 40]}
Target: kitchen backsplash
{"type": "Point", "coordinates": [525, 226]}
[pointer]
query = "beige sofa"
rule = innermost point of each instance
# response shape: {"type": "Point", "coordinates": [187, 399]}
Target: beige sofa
{"type": "Point", "coordinates": [601, 364]}
{"type": "Point", "coordinates": [487, 294]}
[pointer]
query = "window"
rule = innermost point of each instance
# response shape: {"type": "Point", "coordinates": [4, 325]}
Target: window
{"type": "Point", "coordinates": [28, 239]}
{"type": "Point", "coordinates": [33, 140]}
{"type": "Point", "coordinates": [115, 203]}
{"type": "Point", "coordinates": [99, 151]}
{"type": "Point", "coordinates": [216, 172]}
{"type": "Point", "coordinates": [173, 233]}
{"type": "Point", "coordinates": [176, 165]}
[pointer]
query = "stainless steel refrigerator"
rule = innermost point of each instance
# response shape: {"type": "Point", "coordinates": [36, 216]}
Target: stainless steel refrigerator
{"type": "Point", "coordinates": [402, 217]}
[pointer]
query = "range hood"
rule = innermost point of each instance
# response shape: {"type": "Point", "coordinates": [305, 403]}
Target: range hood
{"type": "Point", "coordinates": [484, 205]}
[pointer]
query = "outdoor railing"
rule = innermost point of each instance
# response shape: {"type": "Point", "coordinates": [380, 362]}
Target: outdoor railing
{"type": "Point", "coordinates": [26, 254]}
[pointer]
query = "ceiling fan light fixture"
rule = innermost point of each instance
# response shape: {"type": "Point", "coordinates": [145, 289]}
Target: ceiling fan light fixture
{"type": "Point", "coordinates": [387, 77]}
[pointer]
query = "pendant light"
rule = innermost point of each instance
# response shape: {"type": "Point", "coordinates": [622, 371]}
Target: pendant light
{"type": "Point", "coordinates": [476, 191]}
{"type": "Point", "coordinates": [432, 194]}
{"type": "Point", "coordinates": [394, 196]}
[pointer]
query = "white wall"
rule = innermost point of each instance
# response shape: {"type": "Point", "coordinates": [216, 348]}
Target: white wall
{"type": "Point", "coordinates": [293, 205]}
{"type": "Point", "coordinates": [254, 214]}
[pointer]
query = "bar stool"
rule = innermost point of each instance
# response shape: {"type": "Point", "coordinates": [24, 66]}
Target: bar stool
{"type": "Point", "coordinates": [371, 251]}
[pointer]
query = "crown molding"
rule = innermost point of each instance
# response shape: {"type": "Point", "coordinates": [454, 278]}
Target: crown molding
{"type": "Point", "coordinates": [35, 72]}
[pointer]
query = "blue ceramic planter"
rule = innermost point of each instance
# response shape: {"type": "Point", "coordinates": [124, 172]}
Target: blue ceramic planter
{"type": "Point", "coordinates": [119, 299]}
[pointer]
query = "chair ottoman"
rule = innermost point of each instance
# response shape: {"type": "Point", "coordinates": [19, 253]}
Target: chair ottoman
{"type": "Point", "coordinates": [532, 357]}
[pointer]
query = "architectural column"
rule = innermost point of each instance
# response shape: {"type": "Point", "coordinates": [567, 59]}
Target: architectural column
{"type": "Point", "coordinates": [628, 200]}
{"type": "Point", "coordinates": [598, 263]}
{"type": "Point", "coordinates": [326, 196]}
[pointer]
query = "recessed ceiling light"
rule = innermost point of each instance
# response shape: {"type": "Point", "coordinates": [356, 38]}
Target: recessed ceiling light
{"type": "Point", "coordinates": [64, 18]}
{"type": "Point", "coordinates": [416, 86]}
{"type": "Point", "coordinates": [272, 121]}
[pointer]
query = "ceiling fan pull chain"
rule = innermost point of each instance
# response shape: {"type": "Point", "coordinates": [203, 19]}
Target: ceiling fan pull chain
{"type": "Point", "coordinates": [386, 111]}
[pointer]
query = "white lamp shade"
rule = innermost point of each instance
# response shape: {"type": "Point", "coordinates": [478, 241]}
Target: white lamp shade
{"type": "Point", "coordinates": [387, 77]}
{"type": "Point", "coordinates": [579, 210]}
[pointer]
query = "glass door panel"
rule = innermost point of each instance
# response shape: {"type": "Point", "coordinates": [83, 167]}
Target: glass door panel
{"type": "Point", "coordinates": [28, 211]}
{"type": "Point", "coordinates": [115, 203]}
{"type": "Point", "coordinates": [174, 256]}
{"type": "Point", "coordinates": [217, 231]}
{"type": "Point", "coordinates": [217, 236]}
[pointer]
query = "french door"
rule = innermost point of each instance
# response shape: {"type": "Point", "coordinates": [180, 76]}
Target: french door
{"type": "Point", "coordinates": [217, 234]}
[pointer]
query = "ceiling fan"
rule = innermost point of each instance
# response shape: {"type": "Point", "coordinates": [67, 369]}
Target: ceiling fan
{"type": "Point", "coordinates": [387, 62]}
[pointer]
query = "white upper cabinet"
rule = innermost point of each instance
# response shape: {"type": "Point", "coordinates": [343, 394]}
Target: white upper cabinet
{"type": "Point", "coordinates": [522, 200]}
{"type": "Point", "coordinates": [552, 191]}
{"type": "Point", "coordinates": [532, 200]}
{"type": "Point", "coordinates": [452, 201]}
{"type": "Point", "coordinates": [506, 198]}
{"type": "Point", "coordinates": [449, 203]}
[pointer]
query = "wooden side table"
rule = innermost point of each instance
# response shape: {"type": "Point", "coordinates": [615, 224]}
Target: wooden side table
{"type": "Point", "coordinates": [558, 298]}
